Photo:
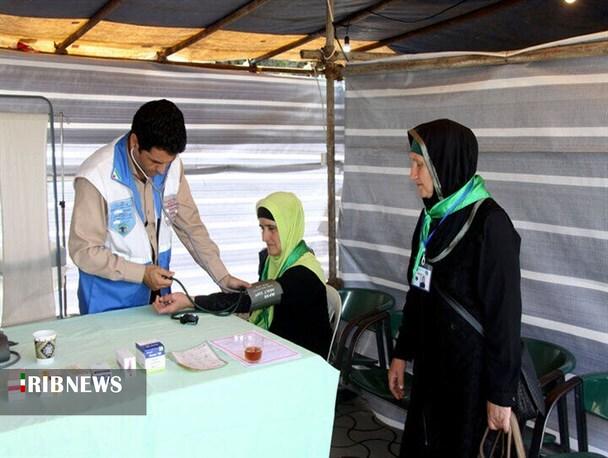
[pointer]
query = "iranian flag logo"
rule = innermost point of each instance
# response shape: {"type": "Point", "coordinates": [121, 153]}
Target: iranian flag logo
{"type": "Point", "coordinates": [16, 388]}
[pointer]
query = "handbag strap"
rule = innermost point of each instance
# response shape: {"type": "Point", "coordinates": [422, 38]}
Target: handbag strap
{"type": "Point", "coordinates": [458, 308]}
{"type": "Point", "coordinates": [465, 228]}
{"type": "Point", "coordinates": [447, 297]}
{"type": "Point", "coordinates": [511, 439]}
{"type": "Point", "coordinates": [518, 441]}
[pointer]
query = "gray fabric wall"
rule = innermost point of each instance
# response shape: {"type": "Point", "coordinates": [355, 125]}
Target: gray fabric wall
{"type": "Point", "coordinates": [543, 136]}
{"type": "Point", "coordinates": [248, 135]}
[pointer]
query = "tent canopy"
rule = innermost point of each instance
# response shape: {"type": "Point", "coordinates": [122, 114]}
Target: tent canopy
{"type": "Point", "coordinates": [210, 31]}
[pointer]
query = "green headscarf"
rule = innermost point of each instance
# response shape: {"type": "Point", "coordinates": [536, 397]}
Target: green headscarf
{"type": "Point", "coordinates": [288, 214]}
{"type": "Point", "coordinates": [470, 193]}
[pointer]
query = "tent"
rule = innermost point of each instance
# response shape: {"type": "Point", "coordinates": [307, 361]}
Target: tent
{"type": "Point", "coordinates": [540, 116]}
{"type": "Point", "coordinates": [194, 31]}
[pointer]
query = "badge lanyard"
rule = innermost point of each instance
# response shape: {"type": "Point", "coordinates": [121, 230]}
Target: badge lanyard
{"type": "Point", "coordinates": [422, 276]}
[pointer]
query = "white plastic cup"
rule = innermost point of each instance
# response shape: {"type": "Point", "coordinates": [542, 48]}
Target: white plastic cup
{"type": "Point", "coordinates": [44, 346]}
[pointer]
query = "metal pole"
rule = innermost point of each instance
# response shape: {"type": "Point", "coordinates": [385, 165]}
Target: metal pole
{"type": "Point", "coordinates": [331, 141]}
{"type": "Point", "coordinates": [61, 270]}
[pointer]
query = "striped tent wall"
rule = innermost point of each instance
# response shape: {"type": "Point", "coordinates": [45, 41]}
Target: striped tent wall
{"type": "Point", "coordinates": [248, 135]}
{"type": "Point", "coordinates": [543, 138]}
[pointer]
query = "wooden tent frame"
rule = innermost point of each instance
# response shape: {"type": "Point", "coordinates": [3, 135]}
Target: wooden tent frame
{"type": "Point", "coordinates": [327, 58]}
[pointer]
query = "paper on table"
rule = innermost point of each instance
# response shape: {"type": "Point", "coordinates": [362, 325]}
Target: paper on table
{"type": "Point", "coordinates": [273, 351]}
{"type": "Point", "coordinates": [200, 358]}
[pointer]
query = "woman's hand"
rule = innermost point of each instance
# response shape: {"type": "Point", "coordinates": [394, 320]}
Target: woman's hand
{"type": "Point", "coordinates": [171, 303]}
{"type": "Point", "coordinates": [499, 417]}
{"type": "Point", "coordinates": [396, 375]}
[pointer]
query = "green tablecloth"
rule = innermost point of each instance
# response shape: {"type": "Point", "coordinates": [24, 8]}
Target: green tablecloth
{"type": "Point", "coordinates": [284, 409]}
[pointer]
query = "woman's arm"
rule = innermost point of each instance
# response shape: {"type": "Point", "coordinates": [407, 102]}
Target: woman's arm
{"type": "Point", "coordinates": [406, 342]}
{"type": "Point", "coordinates": [500, 295]}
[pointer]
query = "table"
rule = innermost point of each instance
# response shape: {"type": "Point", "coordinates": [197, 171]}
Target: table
{"type": "Point", "coordinates": [281, 410]}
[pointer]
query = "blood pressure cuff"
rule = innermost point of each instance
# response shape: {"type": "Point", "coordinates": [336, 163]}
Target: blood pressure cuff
{"type": "Point", "coordinates": [219, 302]}
{"type": "Point", "coordinates": [259, 295]}
{"type": "Point", "coordinates": [264, 294]}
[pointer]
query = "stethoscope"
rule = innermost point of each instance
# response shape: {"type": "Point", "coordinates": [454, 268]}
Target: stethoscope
{"type": "Point", "coordinates": [160, 192]}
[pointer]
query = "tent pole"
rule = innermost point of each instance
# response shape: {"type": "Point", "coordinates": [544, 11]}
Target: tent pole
{"type": "Point", "coordinates": [331, 144]}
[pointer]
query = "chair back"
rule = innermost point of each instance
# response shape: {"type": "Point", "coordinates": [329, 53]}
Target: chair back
{"type": "Point", "coordinates": [595, 394]}
{"type": "Point", "coordinates": [548, 357]}
{"type": "Point", "coordinates": [334, 306]}
{"type": "Point", "coordinates": [396, 319]}
{"type": "Point", "coordinates": [334, 310]}
{"type": "Point", "coordinates": [357, 302]}
{"type": "Point", "coordinates": [359, 306]}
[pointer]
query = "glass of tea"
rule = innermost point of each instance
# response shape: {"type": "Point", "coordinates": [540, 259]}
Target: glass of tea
{"type": "Point", "coordinates": [253, 344]}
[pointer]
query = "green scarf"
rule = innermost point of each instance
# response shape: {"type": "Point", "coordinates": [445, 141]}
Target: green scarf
{"type": "Point", "coordinates": [288, 214]}
{"type": "Point", "coordinates": [471, 192]}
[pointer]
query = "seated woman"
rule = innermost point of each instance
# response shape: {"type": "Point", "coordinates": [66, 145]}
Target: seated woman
{"type": "Point", "coordinates": [301, 313]}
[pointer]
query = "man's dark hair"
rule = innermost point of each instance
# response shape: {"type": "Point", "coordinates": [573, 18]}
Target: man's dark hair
{"type": "Point", "coordinates": [160, 124]}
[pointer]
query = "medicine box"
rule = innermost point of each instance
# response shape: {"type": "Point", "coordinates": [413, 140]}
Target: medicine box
{"type": "Point", "coordinates": [150, 355]}
{"type": "Point", "coordinates": [150, 348]}
{"type": "Point", "coordinates": [125, 359]}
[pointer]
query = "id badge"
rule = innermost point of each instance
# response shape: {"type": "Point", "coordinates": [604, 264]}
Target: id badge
{"type": "Point", "coordinates": [171, 207]}
{"type": "Point", "coordinates": [422, 277]}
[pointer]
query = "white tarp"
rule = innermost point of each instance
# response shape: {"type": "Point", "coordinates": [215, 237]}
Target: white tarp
{"type": "Point", "coordinates": [27, 290]}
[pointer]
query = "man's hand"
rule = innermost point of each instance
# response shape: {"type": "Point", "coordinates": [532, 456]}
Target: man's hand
{"type": "Point", "coordinates": [499, 417]}
{"type": "Point", "coordinates": [156, 277]}
{"type": "Point", "coordinates": [396, 375]}
{"type": "Point", "coordinates": [171, 303]}
{"type": "Point", "coordinates": [230, 283]}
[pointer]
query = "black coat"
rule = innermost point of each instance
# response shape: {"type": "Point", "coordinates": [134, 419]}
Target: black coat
{"type": "Point", "coordinates": [301, 317]}
{"type": "Point", "coordinates": [456, 371]}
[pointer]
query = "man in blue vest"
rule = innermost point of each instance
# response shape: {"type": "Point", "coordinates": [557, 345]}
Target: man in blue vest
{"type": "Point", "coordinates": [129, 194]}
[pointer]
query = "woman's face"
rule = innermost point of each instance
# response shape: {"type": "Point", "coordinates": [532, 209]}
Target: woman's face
{"type": "Point", "coordinates": [420, 175]}
{"type": "Point", "coordinates": [270, 236]}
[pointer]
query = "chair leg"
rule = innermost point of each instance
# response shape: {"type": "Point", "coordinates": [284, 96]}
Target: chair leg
{"type": "Point", "coordinates": [564, 429]}
{"type": "Point", "coordinates": [581, 420]}
{"type": "Point", "coordinates": [380, 345]}
{"type": "Point", "coordinates": [388, 339]}
{"type": "Point", "coordinates": [537, 436]}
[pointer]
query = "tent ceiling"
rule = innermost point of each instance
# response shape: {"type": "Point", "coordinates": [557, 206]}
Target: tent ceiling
{"type": "Point", "coordinates": [266, 28]}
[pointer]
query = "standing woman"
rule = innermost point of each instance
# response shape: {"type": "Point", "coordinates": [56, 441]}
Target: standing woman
{"type": "Point", "coordinates": [465, 246]}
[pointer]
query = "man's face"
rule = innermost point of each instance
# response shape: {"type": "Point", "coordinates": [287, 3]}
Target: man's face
{"type": "Point", "coordinates": [153, 162]}
{"type": "Point", "coordinates": [270, 236]}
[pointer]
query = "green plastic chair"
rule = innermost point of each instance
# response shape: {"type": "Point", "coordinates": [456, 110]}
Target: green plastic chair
{"type": "Point", "coordinates": [362, 309]}
{"type": "Point", "coordinates": [548, 357]}
{"type": "Point", "coordinates": [595, 388]}
{"type": "Point", "coordinates": [374, 380]}
{"type": "Point", "coordinates": [359, 301]}
{"type": "Point", "coordinates": [551, 363]}
{"type": "Point", "coordinates": [591, 396]}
